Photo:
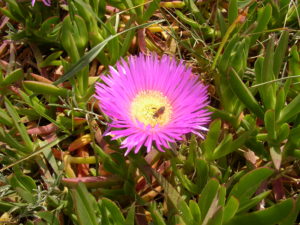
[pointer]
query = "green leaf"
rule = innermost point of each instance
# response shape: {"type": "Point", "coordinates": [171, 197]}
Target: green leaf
{"type": "Point", "coordinates": [253, 201]}
{"type": "Point", "coordinates": [271, 216]}
{"type": "Point", "coordinates": [239, 57]}
{"type": "Point", "coordinates": [291, 219]}
{"type": "Point", "coordinates": [221, 22]}
{"type": "Point", "coordinates": [39, 108]}
{"type": "Point", "coordinates": [51, 60]}
{"type": "Point", "coordinates": [26, 195]}
{"type": "Point", "coordinates": [115, 213]}
{"type": "Point", "coordinates": [152, 7]}
{"type": "Point", "coordinates": [230, 208]}
{"type": "Point", "coordinates": [84, 206]}
{"type": "Point", "coordinates": [207, 196]}
{"type": "Point", "coordinates": [262, 22]}
{"type": "Point", "coordinates": [108, 163]}
{"type": "Point", "coordinates": [269, 90]}
{"type": "Point", "coordinates": [44, 88]}
{"type": "Point", "coordinates": [130, 5]}
{"type": "Point", "coordinates": [195, 210]}
{"type": "Point", "coordinates": [232, 11]}
{"type": "Point", "coordinates": [92, 54]}
{"type": "Point", "coordinates": [130, 215]}
{"type": "Point", "coordinates": [48, 145]}
{"type": "Point", "coordinates": [267, 69]}
{"type": "Point", "coordinates": [51, 160]}
{"type": "Point", "coordinates": [276, 156]}
{"type": "Point", "coordinates": [226, 56]}
{"type": "Point", "coordinates": [280, 52]}
{"type": "Point", "coordinates": [187, 20]}
{"type": "Point", "coordinates": [15, 9]}
{"type": "Point", "coordinates": [201, 167]}
{"type": "Point", "coordinates": [244, 94]}
{"type": "Point", "coordinates": [228, 145]}
{"type": "Point", "coordinates": [156, 216]}
{"type": "Point", "coordinates": [6, 206]}
{"type": "Point", "coordinates": [127, 42]}
{"type": "Point", "coordinates": [5, 119]}
{"type": "Point", "coordinates": [270, 124]}
{"type": "Point", "coordinates": [294, 136]}
{"type": "Point", "coordinates": [294, 61]}
{"type": "Point", "coordinates": [185, 212]}
{"type": "Point", "coordinates": [24, 186]}
{"type": "Point", "coordinates": [49, 217]}
{"type": "Point", "coordinates": [23, 181]}
{"type": "Point", "coordinates": [217, 217]}
{"type": "Point", "coordinates": [222, 114]}
{"type": "Point", "coordinates": [291, 110]}
{"type": "Point", "coordinates": [20, 126]}
{"type": "Point", "coordinates": [284, 132]}
{"type": "Point", "coordinates": [249, 183]}
{"type": "Point", "coordinates": [280, 101]}
{"type": "Point", "coordinates": [212, 138]}
{"type": "Point", "coordinates": [173, 196]}
{"type": "Point", "coordinates": [13, 77]}
{"type": "Point", "coordinates": [195, 11]}
{"type": "Point", "coordinates": [258, 70]}
{"type": "Point", "coordinates": [189, 163]}
{"type": "Point", "coordinates": [75, 27]}
{"type": "Point", "coordinates": [5, 137]}
{"type": "Point", "coordinates": [9, 14]}
{"type": "Point", "coordinates": [184, 180]}
{"type": "Point", "coordinates": [222, 195]}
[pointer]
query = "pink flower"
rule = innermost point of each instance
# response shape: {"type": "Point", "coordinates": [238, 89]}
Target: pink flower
{"type": "Point", "coordinates": [152, 101]}
{"type": "Point", "coordinates": [46, 2]}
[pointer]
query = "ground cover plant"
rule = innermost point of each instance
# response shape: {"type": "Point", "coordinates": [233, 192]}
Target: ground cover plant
{"type": "Point", "coordinates": [78, 144]}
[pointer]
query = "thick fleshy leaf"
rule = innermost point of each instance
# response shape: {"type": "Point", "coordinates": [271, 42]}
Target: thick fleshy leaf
{"type": "Point", "coordinates": [280, 52]}
{"type": "Point", "coordinates": [232, 11]}
{"type": "Point", "coordinates": [244, 94]}
{"type": "Point", "coordinates": [202, 170]}
{"type": "Point", "coordinates": [276, 156]}
{"type": "Point", "coordinates": [20, 126]}
{"type": "Point", "coordinates": [270, 124]}
{"type": "Point", "coordinates": [49, 217]}
{"type": "Point", "coordinates": [156, 215]}
{"type": "Point", "coordinates": [271, 216]}
{"type": "Point", "coordinates": [212, 137]}
{"type": "Point", "coordinates": [253, 202]}
{"type": "Point", "coordinates": [291, 110]}
{"type": "Point", "coordinates": [13, 77]}
{"type": "Point", "coordinates": [230, 208]}
{"type": "Point", "coordinates": [85, 206]}
{"type": "Point", "coordinates": [264, 16]}
{"type": "Point", "coordinates": [130, 215]}
{"type": "Point", "coordinates": [249, 183]}
{"type": "Point", "coordinates": [92, 54]}
{"type": "Point", "coordinates": [115, 213]}
{"type": "Point", "coordinates": [228, 145]}
{"type": "Point", "coordinates": [44, 88]}
{"type": "Point", "coordinates": [195, 210]}
{"type": "Point", "coordinates": [207, 196]}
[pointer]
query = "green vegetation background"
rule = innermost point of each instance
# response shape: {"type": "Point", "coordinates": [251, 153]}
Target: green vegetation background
{"type": "Point", "coordinates": [56, 168]}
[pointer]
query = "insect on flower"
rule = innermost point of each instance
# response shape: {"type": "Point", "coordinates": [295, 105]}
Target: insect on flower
{"type": "Point", "coordinates": [159, 112]}
{"type": "Point", "coordinates": [152, 102]}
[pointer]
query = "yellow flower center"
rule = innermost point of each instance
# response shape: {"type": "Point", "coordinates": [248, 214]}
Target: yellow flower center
{"type": "Point", "coordinates": [151, 107]}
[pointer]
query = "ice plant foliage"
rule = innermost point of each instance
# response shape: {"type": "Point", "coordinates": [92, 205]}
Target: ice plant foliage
{"type": "Point", "coordinates": [152, 101]}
